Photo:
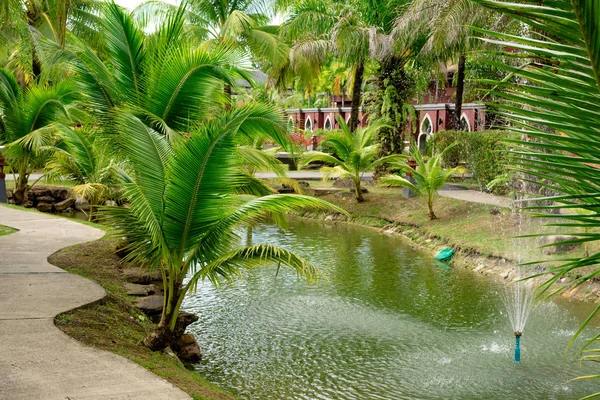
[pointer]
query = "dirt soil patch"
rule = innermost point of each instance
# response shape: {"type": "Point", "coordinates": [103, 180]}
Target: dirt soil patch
{"type": "Point", "coordinates": [115, 324]}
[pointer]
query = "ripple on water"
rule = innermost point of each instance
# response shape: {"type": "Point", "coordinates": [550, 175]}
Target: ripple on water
{"type": "Point", "coordinates": [387, 324]}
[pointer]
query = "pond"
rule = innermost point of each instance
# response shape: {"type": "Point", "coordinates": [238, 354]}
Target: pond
{"type": "Point", "coordinates": [387, 323]}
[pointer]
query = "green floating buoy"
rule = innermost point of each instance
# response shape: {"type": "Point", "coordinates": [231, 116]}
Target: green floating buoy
{"type": "Point", "coordinates": [445, 255]}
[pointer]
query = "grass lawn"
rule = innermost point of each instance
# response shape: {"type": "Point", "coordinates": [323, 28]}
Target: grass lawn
{"type": "Point", "coordinates": [115, 325]}
{"type": "Point", "coordinates": [6, 230]}
{"type": "Point", "coordinates": [472, 227]}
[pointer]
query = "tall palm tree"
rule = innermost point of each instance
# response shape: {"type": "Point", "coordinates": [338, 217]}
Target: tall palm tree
{"type": "Point", "coordinates": [355, 154]}
{"type": "Point", "coordinates": [319, 29]}
{"type": "Point", "coordinates": [186, 201]}
{"type": "Point", "coordinates": [30, 121]}
{"type": "Point", "coordinates": [554, 97]}
{"type": "Point", "coordinates": [49, 19]}
{"type": "Point", "coordinates": [448, 26]}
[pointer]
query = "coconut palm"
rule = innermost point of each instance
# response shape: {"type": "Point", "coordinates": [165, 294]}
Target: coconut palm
{"type": "Point", "coordinates": [30, 121]}
{"type": "Point", "coordinates": [556, 101]}
{"type": "Point", "coordinates": [84, 159]}
{"type": "Point", "coordinates": [428, 177]}
{"type": "Point", "coordinates": [186, 201]}
{"type": "Point", "coordinates": [448, 26]}
{"type": "Point", "coordinates": [163, 77]}
{"type": "Point", "coordinates": [32, 20]}
{"type": "Point", "coordinates": [355, 154]}
{"type": "Point", "coordinates": [319, 29]}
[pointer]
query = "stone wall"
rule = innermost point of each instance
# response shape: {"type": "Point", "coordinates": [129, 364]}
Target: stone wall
{"type": "Point", "coordinates": [47, 199]}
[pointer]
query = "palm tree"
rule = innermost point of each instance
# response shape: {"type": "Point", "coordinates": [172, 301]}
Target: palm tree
{"type": "Point", "coordinates": [186, 201]}
{"type": "Point", "coordinates": [84, 158]}
{"type": "Point", "coordinates": [554, 97]}
{"type": "Point", "coordinates": [32, 20]}
{"type": "Point", "coordinates": [163, 77]}
{"type": "Point", "coordinates": [30, 121]}
{"type": "Point", "coordinates": [447, 23]}
{"type": "Point", "coordinates": [355, 154]}
{"type": "Point", "coordinates": [319, 29]}
{"type": "Point", "coordinates": [429, 177]}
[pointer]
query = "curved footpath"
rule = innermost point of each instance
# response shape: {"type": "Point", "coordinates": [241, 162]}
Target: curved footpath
{"type": "Point", "coordinates": [37, 360]}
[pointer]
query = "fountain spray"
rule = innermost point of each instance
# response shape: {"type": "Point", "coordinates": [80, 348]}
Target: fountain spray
{"type": "Point", "coordinates": [518, 298]}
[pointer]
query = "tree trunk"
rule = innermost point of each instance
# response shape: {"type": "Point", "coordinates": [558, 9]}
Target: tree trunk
{"type": "Point", "coordinates": [21, 185]}
{"type": "Point", "coordinates": [32, 19]}
{"type": "Point", "coordinates": [430, 207]}
{"type": "Point", "coordinates": [162, 337]}
{"type": "Point", "coordinates": [460, 88]}
{"type": "Point", "coordinates": [358, 191]}
{"type": "Point", "coordinates": [356, 95]}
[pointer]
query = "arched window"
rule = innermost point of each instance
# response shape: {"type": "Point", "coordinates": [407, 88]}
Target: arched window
{"type": "Point", "coordinates": [424, 133]}
{"type": "Point", "coordinates": [426, 126]}
{"type": "Point", "coordinates": [464, 123]}
{"type": "Point", "coordinates": [327, 126]}
{"type": "Point", "coordinates": [308, 125]}
{"type": "Point", "coordinates": [291, 124]}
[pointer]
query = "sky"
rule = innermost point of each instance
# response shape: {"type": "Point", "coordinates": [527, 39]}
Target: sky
{"type": "Point", "coordinates": [131, 4]}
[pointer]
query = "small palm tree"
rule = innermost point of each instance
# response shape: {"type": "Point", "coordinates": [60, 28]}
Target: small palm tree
{"type": "Point", "coordinates": [355, 154]}
{"type": "Point", "coordinates": [84, 158]}
{"type": "Point", "coordinates": [30, 122]}
{"type": "Point", "coordinates": [428, 176]}
{"type": "Point", "coordinates": [186, 201]}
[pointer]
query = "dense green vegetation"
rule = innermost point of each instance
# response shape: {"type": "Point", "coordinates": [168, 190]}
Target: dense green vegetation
{"type": "Point", "coordinates": [484, 153]}
{"type": "Point", "coordinates": [145, 107]}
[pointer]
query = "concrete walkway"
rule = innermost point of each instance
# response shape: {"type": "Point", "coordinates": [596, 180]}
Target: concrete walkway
{"type": "Point", "coordinates": [474, 196]}
{"type": "Point", "coordinates": [37, 360]}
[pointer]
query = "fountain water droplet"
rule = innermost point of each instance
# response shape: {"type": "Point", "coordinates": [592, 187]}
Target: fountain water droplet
{"type": "Point", "coordinates": [518, 298]}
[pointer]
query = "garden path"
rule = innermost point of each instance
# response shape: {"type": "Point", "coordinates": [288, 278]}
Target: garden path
{"type": "Point", "coordinates": [38, 361]}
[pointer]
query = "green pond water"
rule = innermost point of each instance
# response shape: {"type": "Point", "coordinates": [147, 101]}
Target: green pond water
{"type": "Point", "coordinates": [387, 323]}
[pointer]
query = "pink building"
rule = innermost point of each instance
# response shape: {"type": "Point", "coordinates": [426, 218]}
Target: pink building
{"type": "Point", "coordinates": [309, 119]}
{"type": "Point", "coordinates": [434, 112]}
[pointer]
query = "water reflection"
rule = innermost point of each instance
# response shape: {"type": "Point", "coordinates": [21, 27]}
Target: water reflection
{"type": "Point", "coordinates": [388, 323]}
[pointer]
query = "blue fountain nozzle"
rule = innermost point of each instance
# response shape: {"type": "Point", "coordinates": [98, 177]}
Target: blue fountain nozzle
{"type": "Point", "coordinates": [518, 346]}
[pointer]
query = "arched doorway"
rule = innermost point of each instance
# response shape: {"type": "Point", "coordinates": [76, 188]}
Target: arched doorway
{"type": "Point", "coordinates": [425, 131]}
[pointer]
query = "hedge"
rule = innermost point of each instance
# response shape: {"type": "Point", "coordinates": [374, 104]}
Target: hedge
{"type": "Point", "coordinates": [485, 153]}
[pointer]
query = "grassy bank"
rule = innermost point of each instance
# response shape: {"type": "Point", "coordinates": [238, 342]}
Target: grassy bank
{"type": "Point", "coordinates": [472, 229]}
{"type": "Point", "coordinates": [115, 325]}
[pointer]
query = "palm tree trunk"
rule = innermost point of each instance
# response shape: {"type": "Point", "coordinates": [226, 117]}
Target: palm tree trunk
{"type": "Point", "coordinates": [430, 206]}
{"type": "Point", "coordinates": [21, 183]}
{"type": "Point", "coordinates": [358, 191]}
{"type": "Point", "coordinates": [163, 336]}
{"type": "Point", "coordinates": [356, 95]}
{"type": "Point", "coordinates": [460, 88]}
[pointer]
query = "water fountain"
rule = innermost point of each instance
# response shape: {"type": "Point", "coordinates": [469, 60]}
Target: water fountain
{"type": "Point", "coordinates": [518, 298]}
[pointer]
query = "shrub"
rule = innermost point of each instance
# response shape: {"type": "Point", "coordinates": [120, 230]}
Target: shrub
{"type": "Point", "coordinates": [484, 152]}
{"type": "Point", "coordinates": [454, 156]}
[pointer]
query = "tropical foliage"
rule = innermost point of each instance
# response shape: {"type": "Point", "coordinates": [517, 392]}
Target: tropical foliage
{"type": "Point", "coordinates": [30, 121]}
{"type": "Point", "coordinates": [185, 202]}
{"type": "Point", "coordinates": [355, 154]}
{"type": "Point", "coordinates": [556, 106]}
{"type": "Point", "coordinates": [425, 180]}
{"type": "Point", "coordinates": [83, 157]}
